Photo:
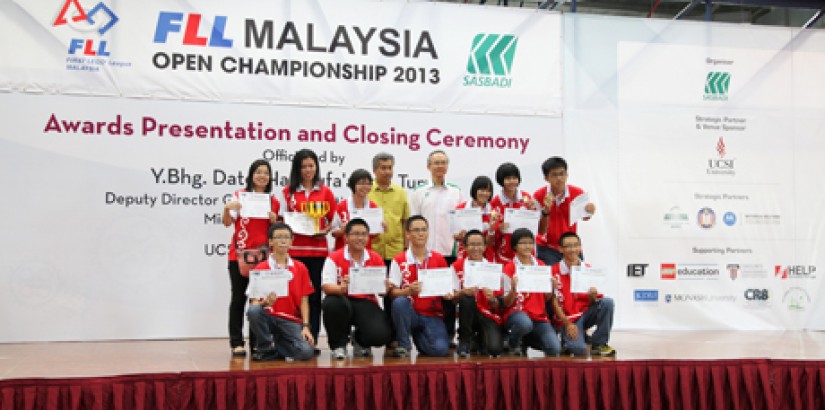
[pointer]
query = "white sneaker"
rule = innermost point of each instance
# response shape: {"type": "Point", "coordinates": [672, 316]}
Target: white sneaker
{"type": "Point", "coordinates": [339, 353]}
{"type": "Point", "coordinates": [360, 351]}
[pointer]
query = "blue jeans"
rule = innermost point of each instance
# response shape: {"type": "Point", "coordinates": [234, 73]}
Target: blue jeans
{"type": "Point", "coordinates": [599, 314]}
{"type": "Point", "coordinates": [282, 335]}
{"type": "Point", "coordinates": [428, 333]}
{"type": "Point", "coordinates": [538, 335]}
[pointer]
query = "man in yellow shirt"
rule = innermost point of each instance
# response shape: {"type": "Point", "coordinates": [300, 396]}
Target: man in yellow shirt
{"type": "Point", "coordinates": [393, 200]}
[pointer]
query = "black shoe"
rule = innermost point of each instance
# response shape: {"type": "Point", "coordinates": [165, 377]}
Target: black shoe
{"type": "Point", "coordinates": [238, 351]}
{"type": "Point", "coordinates": [266, 355]}
{"type": "Point", "coordinates": [463, 349]}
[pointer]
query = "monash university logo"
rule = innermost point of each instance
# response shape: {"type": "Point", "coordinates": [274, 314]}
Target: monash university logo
{"type": "Point", "coordinates": [491, 61]}
{"type": "Point", "coordinates": [716, 86]}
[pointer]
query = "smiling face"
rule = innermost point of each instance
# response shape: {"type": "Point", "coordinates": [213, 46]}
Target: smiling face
{"type": "Point", "coordinates": [418, 233]}
{"type": "Point", "coordinates": [557, 177]}
{"type": "Point", "coordinates": [357, 238]}
{"type": "Point", "coordinates": [475, 247]}
{"type": "Point", "coordinates": [261, 177]}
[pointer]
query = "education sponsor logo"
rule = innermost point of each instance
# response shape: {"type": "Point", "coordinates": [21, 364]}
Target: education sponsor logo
{"type": "Point", "coordinates": [722, 164]}
{"type": "Point", "coordinates": [684, 271]}
{"type": "Point", "coordinates": [729, 218]}
{"type": "Point", "coordinates": [706, 218]}
{"type": "Point", "coordinates": [675, 218]}
{"type": "Point", "coordinates": [698, 298]}
{"type": "Point", "coordinates": [794, 271]}
{"type": "Point", "coordinates": [636, 270]}
{"type": "Point", "coordinates": [89, 24]}
{"type": "Point", "coordinates": [667, 271]}
{"type": "Point", "coordinates": [490, 62]}
{"type": "Point", "coordinates": [744, 271]}
{"type": "Point", "coordinates": [717, 85]}
{"type": "Point", "coordinates": [796, 299]}
{"type": "Point", "coordinates": [645, 295]}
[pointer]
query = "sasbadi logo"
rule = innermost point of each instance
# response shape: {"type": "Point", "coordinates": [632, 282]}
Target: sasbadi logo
{"type": "Point", "coordinates": [794, 271]}
{"type": "Point", "coordinates": [729, 218]}
{"type": "Point", "coordinates": [675, 218]}
{"type": "Point", "coordinates": [491, 61]}
{"type": "Point", "coordinates": [706, 218]}
{"type": "Point", "coordinates": [717, 84]}
{"type": "Point", "coordinates": [796, 299]}
{"type": "Point", "coordinates": [645, 295]}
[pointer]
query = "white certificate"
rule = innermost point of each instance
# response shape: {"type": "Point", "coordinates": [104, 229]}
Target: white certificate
{"type": "Point", "coordinates": [583, 278]}
{"type": "Point", "coordinates": [255, 204]}
{"type": "Point", "coordinates": [436, 282]}
{"type": "Point", "coordinates": [264, 282]}
{"type": "Point", "coordinates": [482, 275]}
{"type": "Point", "coordinates": [521, 218]}
{"type": "Point", "coordinates": [300, 223]}
{"type": "Point", "coordinates": [465, 219]}
{"type": "Point", "coordinates": [577, 211]}
{"type": "Point", "coordinates": [536, 279]}
{"type": "Point", "coordinates": [367, 280]}
{"type": "Point", "coordinates": [374, 217]}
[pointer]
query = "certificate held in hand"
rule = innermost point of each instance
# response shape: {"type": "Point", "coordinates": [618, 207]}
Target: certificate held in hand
{"type": "Point", "coordinates": [465, 219]}
{"type": "Point", "coordinates": [482, 275]}
{"type": "Point", "coordinates": [255, 205]}
{"type": "Point", "coordinates": [436, 282]}
{"type": "Point", "coordinates": [374, 217]}
{"type": "Point", "coordinates": [300, 223]}
{"type": "Point", "coordinates": [521, 218]}
{"type": "Point", "coordinates": [534, 279]}
{"type": "Point", "coordinates": [367, 280]}
{"type": "Point", "coordinates": [264, 282]}
{"type": "Point", "coordinates": [582, 278]}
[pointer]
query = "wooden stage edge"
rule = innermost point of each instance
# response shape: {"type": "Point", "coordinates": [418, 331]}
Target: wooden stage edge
{"type": "Point", "coordinates": [111, 358]}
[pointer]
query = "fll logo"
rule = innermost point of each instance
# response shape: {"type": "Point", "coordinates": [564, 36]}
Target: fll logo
{"type": "Point", "coordinates": [716, 86]}
{"type": "Point", "coordinates": [99, 18]}
{"type": "Point", "coordinates": [490, 62]}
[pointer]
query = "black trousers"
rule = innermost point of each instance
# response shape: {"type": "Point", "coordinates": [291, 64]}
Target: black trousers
{"type": "Point", "coordinates": [237, 306]}
{"type": "Point", "coordinates": [314, 264]}
{"type": "Point", "coordinates": [470, 322]}
{"type": "Point", "coordinates": [388, 304]}
{"type": "Point", "coordinates": [341, 313]}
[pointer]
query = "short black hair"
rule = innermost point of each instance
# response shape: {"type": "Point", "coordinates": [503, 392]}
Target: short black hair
{"type": "Point", "coordinates": [356, 176]}
{"type": "Point", "coordinates": [553, 163]}
{"type": "Point", "coordinates": [280, 226]}
{"type": "Point", "coordinates": [569, 234]}
{"type": "Point", "coordinates": [295, 179]}
{"type": "Point", "coordinates": [518, 235]}
{"type": "Point", "coordinates": [481, 182]}
{"type": "Point", "coordinates": [353, 222]}
{"type": "Point", "coordinates": [470, 233]}
{"type": "Point", "coordinates": [507, 169]}
{"type": "Point", "coordinates": [414, 218]}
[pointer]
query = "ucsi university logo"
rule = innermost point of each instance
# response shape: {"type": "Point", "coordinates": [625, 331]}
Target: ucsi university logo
{"type": "Point", "coordinates": [95, 21]}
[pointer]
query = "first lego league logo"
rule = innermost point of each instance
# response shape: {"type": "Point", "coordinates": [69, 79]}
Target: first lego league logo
{"type": "Point", "coordinates": [88, 49]}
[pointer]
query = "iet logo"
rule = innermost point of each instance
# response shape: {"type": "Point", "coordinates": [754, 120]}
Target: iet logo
{"type": "Point", "coordinates": [99, 18]}
{"type": "Point", "coordinates": [173, 22]}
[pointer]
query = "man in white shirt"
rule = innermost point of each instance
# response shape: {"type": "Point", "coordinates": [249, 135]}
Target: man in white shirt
{"type": "Point", "coordinates": [433, 200]}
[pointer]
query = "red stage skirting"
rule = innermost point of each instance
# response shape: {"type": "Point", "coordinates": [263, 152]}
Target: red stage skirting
{"type": "Point", "coordinates": [524, 384]}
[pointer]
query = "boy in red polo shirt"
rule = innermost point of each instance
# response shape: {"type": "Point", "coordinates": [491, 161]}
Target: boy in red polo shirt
{"type": "Point", "coordinates": [281, 322]}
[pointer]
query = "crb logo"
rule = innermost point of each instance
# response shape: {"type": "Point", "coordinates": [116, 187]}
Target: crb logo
{"type": "Point", "coordinates": [756, 294]}
{"type": "Point", "coordinates": [636, 270]}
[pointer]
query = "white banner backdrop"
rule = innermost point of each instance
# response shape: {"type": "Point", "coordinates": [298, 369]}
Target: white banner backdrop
{"type": "Point", "coordinates": [405, 56]}
{"type": "Point", "coordinates": [114, 228]}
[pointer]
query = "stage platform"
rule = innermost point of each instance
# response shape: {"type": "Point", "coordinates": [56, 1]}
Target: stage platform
{"type": "Point", "coordinates": [652, 370]}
